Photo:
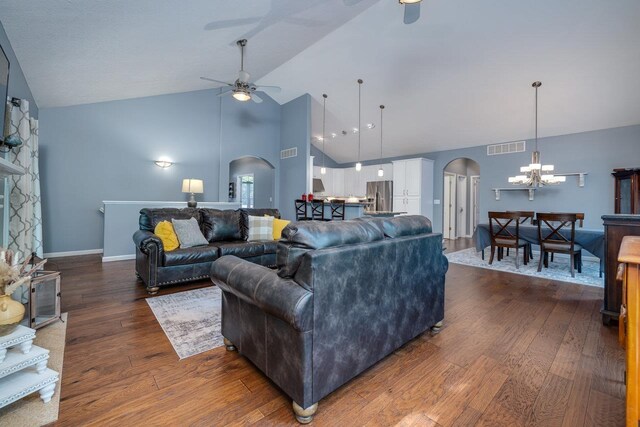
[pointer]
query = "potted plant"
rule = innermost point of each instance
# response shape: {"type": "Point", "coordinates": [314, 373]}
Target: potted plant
{"type": "Point", "coordinates": [11, 278]}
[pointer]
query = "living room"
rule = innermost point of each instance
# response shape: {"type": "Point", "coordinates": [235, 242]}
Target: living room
{"type": "Point", "coordinates": [423, 119]}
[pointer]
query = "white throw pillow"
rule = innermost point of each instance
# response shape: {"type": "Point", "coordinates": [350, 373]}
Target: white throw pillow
{"type": "Point", "coordinates": [260, 228]}
{"type": "Point", "coordinates": [188, 232]}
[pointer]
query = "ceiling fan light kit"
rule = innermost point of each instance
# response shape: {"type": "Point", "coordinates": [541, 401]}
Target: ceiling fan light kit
{"type": "Point", "coordinates": [242, 89]}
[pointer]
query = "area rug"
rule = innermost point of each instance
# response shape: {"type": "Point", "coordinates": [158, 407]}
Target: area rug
{"type": "Point", "coordinates": [558, 270]}
{"type": "Point", "coordinates": [30, 411]}
{"type": "Point", "coordinates": [190, 319]}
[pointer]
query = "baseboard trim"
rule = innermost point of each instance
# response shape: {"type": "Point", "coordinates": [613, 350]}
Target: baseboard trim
{"type": "Point", "coordinates": [72, 253]}
{"type": "Point", "coordinates": [118, 258]}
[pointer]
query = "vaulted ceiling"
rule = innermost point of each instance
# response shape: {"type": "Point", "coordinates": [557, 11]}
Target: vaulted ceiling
{"type": "Point", "coordinates": [460, 76]}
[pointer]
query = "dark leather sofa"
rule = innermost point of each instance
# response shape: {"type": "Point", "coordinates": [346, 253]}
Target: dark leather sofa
{"type": "Point", "coordinates": [345, 295]}
{"type": "Point", "coordinates": [226, 231]}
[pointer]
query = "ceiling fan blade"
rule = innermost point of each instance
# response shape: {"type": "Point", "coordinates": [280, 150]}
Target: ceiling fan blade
{"type": "Point", "coordinates": [274, 89]}
{"type": "Point", "coordinates": [226, 92]}
{"type": "Point", "coordinates": [216, 81]}
{"type": "Point", "coordinates": [215, 25]}
{"type": "Point", "coordinates": [256, 98]}
{"type": "Point", "coordinates": [411, 13]}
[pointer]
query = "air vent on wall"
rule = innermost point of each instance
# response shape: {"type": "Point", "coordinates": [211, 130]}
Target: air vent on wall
{"type": "Point", "coordinates": [506, 148]}
{"type": "Point", "coordinates": [289, 152]}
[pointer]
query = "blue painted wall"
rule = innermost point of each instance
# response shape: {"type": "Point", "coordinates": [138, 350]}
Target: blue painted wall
{"type": "Point", "coordinates": [295, 131]}
{"type": "Point", "coordinates": [18, 86]}
{"type": "Point", "coordinates": [597, 152]}
{"type": "Point", "coordinates": [105, 151]}
{"type": "Point", "coordinates": [317, 161]}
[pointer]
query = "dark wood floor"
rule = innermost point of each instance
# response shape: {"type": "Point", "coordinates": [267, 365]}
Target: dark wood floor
{"type": "Point", "coordinates": [514, 351]}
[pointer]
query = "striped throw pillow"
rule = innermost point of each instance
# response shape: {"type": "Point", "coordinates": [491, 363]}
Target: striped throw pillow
{"type": "Point", "coordinates": [260, 228]}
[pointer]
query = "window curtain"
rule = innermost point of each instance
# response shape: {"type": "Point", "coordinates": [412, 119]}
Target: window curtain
{"type": "Point", "coordinates": [25, 211]}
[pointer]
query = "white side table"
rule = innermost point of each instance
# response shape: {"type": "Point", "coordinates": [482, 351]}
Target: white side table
{"type": "Point", "coordinates": [23, 368]}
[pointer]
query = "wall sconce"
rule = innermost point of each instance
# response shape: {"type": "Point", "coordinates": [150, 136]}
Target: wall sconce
{"type": "Point", "coordinates": [163, 163]}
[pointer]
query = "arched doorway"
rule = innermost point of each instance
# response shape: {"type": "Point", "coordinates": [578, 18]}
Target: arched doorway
{"type": "Point", "coordinates": [252, 182]}
{"type": "Point", "coordinates": [460, 205]}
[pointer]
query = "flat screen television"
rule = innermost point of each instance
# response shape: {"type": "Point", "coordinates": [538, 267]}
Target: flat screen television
{"type": "Point", "coordinates": [4, 85]}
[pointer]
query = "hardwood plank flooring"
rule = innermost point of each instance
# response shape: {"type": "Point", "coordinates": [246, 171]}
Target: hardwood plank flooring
{"type": "Point", "coordinates": [514, 351]}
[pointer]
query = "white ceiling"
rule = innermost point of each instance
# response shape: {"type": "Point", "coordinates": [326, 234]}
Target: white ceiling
{"type": "Point", "coordinates": [458, 77]}
{"type": "Point", "coordinates": [78, 51]}
{"type": "Point", "coordinates": [461, 76]}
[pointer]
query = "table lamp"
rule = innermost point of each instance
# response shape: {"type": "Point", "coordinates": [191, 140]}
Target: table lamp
{"type": "Point", "coordinates": [192, 186]}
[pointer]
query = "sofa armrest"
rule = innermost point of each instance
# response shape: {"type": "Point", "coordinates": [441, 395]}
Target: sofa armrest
{"type": "Point", "coordinates": [262, 287]}
{"type": "Point", "coordinates": [146, 240]}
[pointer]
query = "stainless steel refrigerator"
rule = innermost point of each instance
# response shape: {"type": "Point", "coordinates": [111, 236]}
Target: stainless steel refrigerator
{"type": "Point", "coordinates": [380, 195]}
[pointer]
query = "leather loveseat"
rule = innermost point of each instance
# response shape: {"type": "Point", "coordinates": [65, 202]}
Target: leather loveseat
{"type": "Point", "coordinates": [345, 295]}
{"type": "Point", "coordinates": [225, 230]}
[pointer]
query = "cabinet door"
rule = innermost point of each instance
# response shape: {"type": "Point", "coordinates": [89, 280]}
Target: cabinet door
{"type": "Point", "coordinates": [398, 204]}
{"type": "Point", "coordinates": [388, 173]}
{"type": "Point", "coordinates": [338, 182]}
{"type": "Point", "coordinates": [399, 178]}
{"type": "Point", "coordinates": [349, 182]}
{"type": "Point", "coordinates": [327, 182]}
{"type": "Point", "coordinates": [316, 171]}
{"type": "Point", "coordinates": [413, 177]}
{"type": "Point", "coordinates": [412, 205]}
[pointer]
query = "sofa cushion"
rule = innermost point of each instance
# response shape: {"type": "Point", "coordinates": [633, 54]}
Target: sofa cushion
{"type": "Point", "coordinates": [241, 249]}
{"type": "Point", "coordinates": [300, 237]}
{"type": "Point", "coordinates": [220, 225]}
{"type": "Point", "coordinates": [150, 217]}
{"type": "Point", "coordinates": [244, 219]}
{"type": "Point", "coordinates": [193, 255]}
{"type": "Point", "coordinates": [188, 232]}
{"type": "Point", "coordinates": [406, 225]}
{"type": "Point", "coordinates": [260, 228]}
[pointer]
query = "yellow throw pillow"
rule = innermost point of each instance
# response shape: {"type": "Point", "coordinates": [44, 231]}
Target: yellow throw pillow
{"type": "Point", "coordinates": [278, 226]}
{"type": "Point", "coordinates": [164, 230]}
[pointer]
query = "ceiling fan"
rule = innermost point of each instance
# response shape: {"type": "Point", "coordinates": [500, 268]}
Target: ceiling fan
{"type": "Point", "coordinates": [411, 9]}
{"type": "Point", "coordinates": [242, 89]}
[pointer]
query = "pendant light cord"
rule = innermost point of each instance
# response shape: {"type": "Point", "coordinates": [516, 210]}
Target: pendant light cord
{"type": "Point", "coordinates": [324, 120]}
{"type": "Point", "coordinates": [359, 115]}
{"type": "Point", "coordinates": [381, 108]}
{"type": "Point", "coordinates": [536, 118]}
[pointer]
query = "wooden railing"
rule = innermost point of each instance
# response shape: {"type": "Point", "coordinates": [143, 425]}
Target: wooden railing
{"type": "Point", "coordinates": [629, 322]}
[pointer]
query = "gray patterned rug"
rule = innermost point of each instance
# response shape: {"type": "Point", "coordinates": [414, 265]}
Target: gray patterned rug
{"type": "Point", "coordinates": [191, 319]}
{"type": "Point", "coordinates": [558, 270]}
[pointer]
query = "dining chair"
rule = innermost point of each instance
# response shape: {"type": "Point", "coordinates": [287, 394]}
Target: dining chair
{"type": "Point", "coordinates": [579, 217]}
{"type": "Point", "coordinates": [337, 209]}
{"type": "Point", "coordinates": [524, 217]}
{"type": "Point", "coordinates": [553, 241]}
{"type": "Point", "coordinates": [502, 237]}
{"type": "Point", "coordinates": [317, 210]}
{"type": "Point", "coordinates": [301, 210]}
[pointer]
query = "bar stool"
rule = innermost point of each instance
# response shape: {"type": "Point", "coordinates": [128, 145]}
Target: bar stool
{"type": "Point", "coordinates": [301, 210]}
{"type": "Point", "coordinates": [337, 209]}
{"type": "Point", "coordinates": [317, 210]}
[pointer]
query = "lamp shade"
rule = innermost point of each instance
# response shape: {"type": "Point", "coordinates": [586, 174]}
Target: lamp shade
{"type": "Point", "coordinates": [192, 186]}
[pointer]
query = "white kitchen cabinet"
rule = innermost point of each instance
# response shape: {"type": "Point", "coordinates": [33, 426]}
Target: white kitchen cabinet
{"type": "Point", "coordinates": [413, 186]}
{"type": "Point", "coordinates": [338, 182]}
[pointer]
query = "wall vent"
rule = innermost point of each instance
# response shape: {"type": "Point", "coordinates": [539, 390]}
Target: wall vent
{"type": "Point", "coordinates": [289, 152]}
{"type": "Point", "coordinates": [506, 148]}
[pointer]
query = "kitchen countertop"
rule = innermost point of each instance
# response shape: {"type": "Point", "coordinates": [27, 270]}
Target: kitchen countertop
{"type": "Point", "coordinates": [383, 213]}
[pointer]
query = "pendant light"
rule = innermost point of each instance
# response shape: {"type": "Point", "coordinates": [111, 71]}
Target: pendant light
{"type": "Point", "coordinates": [381, 171]}
{"type": "Point", "coordinates": [536, 174]}
{"type": "Point", "coordinates": [323, 170]}
{"type": "Point", "coordinates": [359, 165]}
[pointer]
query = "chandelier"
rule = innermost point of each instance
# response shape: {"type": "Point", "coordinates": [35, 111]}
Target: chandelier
{"type": "Point", "coordinates": [536, 174]}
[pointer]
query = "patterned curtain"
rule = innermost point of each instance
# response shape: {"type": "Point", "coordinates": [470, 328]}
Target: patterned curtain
{"type": "Point", "coordinates": [25, 214]}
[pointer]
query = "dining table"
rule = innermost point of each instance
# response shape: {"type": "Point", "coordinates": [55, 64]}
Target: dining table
{"type": "Point", "coordinates": [591, 240]}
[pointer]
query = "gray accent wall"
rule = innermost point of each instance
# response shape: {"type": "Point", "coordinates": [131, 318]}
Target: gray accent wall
{"type": "Point", "coordinates": [328, 161]}
{"type": "Point", "coordinates": [295, 131]}
{"type": "Point", "coordinates": [106, 151]}
{"type": "Point", "coordinates": [18, 86]}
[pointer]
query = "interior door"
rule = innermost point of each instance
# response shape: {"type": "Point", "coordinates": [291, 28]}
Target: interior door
{"type": "Point", "coordinates": [461, 206]}
{"type": "Point", "coordinates": [475, 206]}
{"type": "Point", "coordinates": [449, 206]}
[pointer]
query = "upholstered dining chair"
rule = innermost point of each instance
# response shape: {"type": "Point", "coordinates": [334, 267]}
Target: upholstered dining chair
{"type": "Point", "coordinates": [301, 210]}
{"type": "Point", "coordinates": [337, 209]}
{"type": "Point", "coordinates": [502, 237]}
{"type": "Point", "coordinates": [553, 241]}
{"type": "Point", "coordinates": [317, 210]}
